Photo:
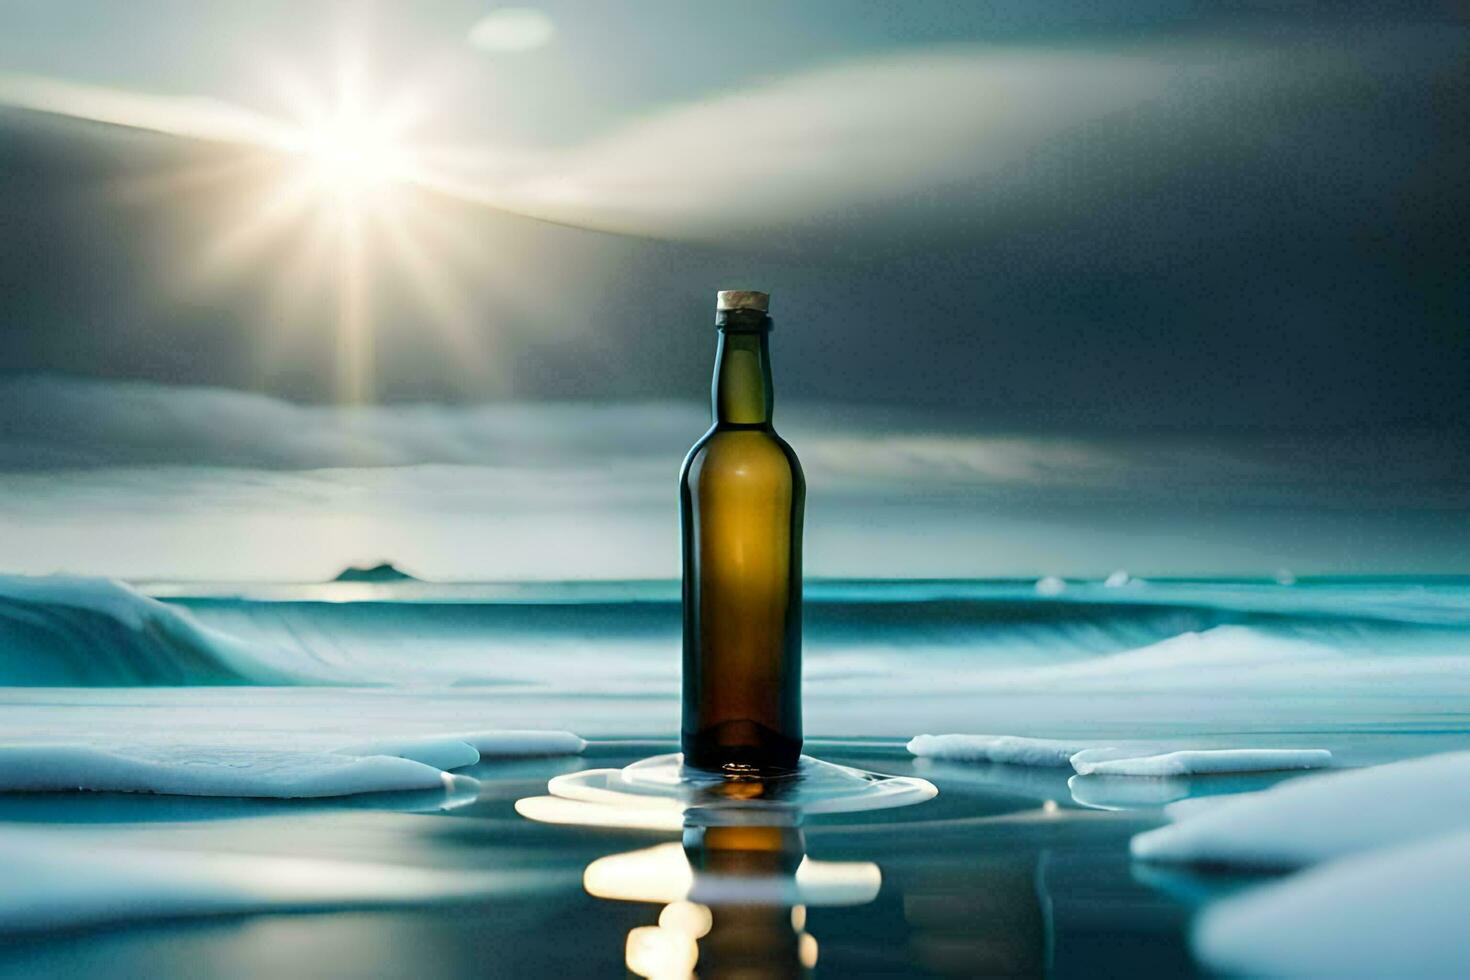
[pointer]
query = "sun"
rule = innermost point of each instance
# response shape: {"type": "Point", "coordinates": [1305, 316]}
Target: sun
{"type": "Point", "coordinates": [342, 198]}
{"type": "Point", "coordinates": [352, 159]}
{"type": "Point", "coordinates": [346, 219]}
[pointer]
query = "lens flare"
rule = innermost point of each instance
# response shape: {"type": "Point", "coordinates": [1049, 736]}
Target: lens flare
{"type": "Point", "coordinates": [336, 209]}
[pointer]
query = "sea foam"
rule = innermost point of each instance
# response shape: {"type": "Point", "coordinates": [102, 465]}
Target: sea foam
{"type": "Point", "coordinates": [1201, 761]}
{"type": "Point", "coordinates": [1093, 757]}
{"type": "Point", "coordinates": [1012, 749]}
{"type": "Point", "coordinates": [516, 744]}
{"type": "Point", "coordinates": [441, 753]}
{"type": "Point", "coordinates": [279, 767]}
{"type": "Point", "coordinates": [1396, 912]}
{"type": "Point", "coordinates": [203, 770]}
{"type": "Point", "coordinates": [1305, 821]}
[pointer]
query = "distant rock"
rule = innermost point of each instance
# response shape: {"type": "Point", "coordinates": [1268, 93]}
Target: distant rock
{"type": "Point", "coordinates": [386, 572]}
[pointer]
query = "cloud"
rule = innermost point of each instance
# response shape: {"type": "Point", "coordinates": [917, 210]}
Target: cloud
{"type": "Point", "coordinates": [777, 152]}
{"type": "Point", "coordinates": [138, 479]}
{"type": "Point", "coordinates": [195, 117]}
{"type": "Point", "coordinates": [51, 423]}
{"type": "Point", "coordinates": [968, 128]}
{"type": "Point", "coordinates": [512, 30]}
{"type": "Point", "coordinates": [955, 132]}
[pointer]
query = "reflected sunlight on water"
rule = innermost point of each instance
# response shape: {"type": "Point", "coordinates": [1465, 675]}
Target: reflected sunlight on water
{"type": "Point", "coordinates": [736, 890]}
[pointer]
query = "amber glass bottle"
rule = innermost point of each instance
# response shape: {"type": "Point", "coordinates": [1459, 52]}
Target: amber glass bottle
{"type": "Point", "coordinates": [741, 496]}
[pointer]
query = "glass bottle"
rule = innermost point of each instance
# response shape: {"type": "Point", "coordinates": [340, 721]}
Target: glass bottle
{"type": "Point", "coordinates": [741, 495]}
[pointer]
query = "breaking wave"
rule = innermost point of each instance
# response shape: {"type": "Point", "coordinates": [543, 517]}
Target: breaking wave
{"type": "Point", "coordinates": [887, 638]}
{"type": "Point", "coordinates": [63, 631]}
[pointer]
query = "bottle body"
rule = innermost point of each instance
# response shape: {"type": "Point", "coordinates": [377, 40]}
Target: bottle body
{"type": "Point", "coordinates": [742, 498]}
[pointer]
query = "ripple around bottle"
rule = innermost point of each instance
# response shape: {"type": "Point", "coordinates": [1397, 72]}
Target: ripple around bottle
{"type": "Point", "coordinates": [662, 783]}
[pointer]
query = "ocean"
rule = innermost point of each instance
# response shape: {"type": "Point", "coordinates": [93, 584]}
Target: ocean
{"type": "Point", "coordinates": [1009, 870]}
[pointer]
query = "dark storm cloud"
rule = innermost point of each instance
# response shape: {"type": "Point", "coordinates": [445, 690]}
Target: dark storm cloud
{"type": "Point", "coordinates": [60, 423]}
{"type": "Point", "coordinates": [1259, 227]}
{"type": "Point", "coordinates": [136, 479]}
{"type": "Point", "coordinates": [50, 424]}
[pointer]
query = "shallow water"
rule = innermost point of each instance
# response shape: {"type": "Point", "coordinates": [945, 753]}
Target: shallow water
{"type": "Point", "coordinates": [1001, 873]}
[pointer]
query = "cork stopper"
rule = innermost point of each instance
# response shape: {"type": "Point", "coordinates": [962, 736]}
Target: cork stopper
{"type": "Point", "coordinates": [742, 299]}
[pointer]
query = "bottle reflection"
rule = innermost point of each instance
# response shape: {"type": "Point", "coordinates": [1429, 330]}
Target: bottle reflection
{"type": "Point", "coordinates": [734, 893]}
{"type": "Point", "coordinates": [750, 934]}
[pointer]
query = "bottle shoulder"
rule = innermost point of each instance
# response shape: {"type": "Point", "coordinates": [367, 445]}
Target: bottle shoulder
{"type": "Point", "coordinates": [741, 451]}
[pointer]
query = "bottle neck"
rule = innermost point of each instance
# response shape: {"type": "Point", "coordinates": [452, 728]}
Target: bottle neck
{"type": "Point", "coordinates": [742, 393]}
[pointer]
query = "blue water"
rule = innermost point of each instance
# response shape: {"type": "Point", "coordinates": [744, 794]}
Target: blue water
{"type": "Point", "coordinates": [987, 879]}
{"type": "Point", "coordinates": [1009, 871]}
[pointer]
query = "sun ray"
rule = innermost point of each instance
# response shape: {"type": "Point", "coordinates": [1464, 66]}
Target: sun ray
{"type": "Point", "coordinates": [334, 205]}
{"type": "Point", "coordinates": [344, 166]}
{"type": "Point", "coordinates": [427, 274]}
{"type": "Point", "coordinates": [152, 187]}
{"type": "Point", "coordinates": [270, 218]}
{"type": "Point", "coordinates": [354, 321]}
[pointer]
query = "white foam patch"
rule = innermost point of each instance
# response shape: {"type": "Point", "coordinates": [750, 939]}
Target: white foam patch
{"type": "Point", "coordinates": [441, 753]}
{"type": "Point", "coordinates": [1088, 758]}
{"type": "Point", "coordinates": [201, 770]}
{"type": "Point", "coordinates": [1084, 760]}
{"type": "Point", "coordinates": [1201, 761]}
{"type": "Point", "coordinates": [1397, 912]}
{"type": "Point", "coordinates": [1305, 821]}
{"type": "Point", "coordinates": [1010, 749]}
{"type": "Point", "coordinates": [68, 880]}
{"type": "Point", "coordinates": [515, 744]}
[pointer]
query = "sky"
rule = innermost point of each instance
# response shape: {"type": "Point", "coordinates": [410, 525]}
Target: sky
{"type": "Point", "coordinates": [1058, 288]}
{"type": "Point", "coordinates": [147, 481]}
